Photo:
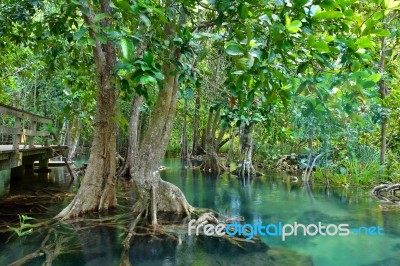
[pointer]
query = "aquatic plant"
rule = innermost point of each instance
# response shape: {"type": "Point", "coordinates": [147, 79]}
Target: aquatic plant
{"type": "Point", "coordinates": [24, 228]}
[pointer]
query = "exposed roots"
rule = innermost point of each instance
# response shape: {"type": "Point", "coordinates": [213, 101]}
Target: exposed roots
{"type": "Point", "coordinates": [163, 197]}
{"type": "Point", "coordinates": [387, 192]}
{"type": "Point", "coordinates": [126, 244]}
{"type": "Point", "coordinates": [51, 246]}
{"type": "Point", "coordinates": [212, 165]}
{"type": "Point", "coordinates": [32, 204]}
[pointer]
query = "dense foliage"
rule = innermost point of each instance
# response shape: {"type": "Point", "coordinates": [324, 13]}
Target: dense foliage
{"type": "Point", "coordinates": [307, 78]}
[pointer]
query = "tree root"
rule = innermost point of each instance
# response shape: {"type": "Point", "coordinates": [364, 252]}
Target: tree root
{"type": "Point", "coordinates": [387, 192]}
{"type": "Point", "coordinates": [212, 165]}
{"type": "Point", "coordinates": [51, 249]}
{"type": "Point", "coordinates": [126, 243]}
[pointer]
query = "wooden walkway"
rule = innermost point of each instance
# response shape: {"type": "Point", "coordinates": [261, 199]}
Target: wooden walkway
{"type": "Point", "coordinates": [22, 128]}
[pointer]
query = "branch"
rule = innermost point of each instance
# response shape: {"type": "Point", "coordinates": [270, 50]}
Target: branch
{"type": "Point", "coordinates": [224, 141]}
{"type": "Point", "coordinates": [99, 53]}
{"type": "Point", "coordinates": [17, 71]}
{"type": "Point", "coordinates": [205, 24]}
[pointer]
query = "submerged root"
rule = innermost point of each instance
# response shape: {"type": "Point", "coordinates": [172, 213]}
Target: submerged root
{"type": "Point", "coordinates": [212, 165]}
{"type": "Point", "coordinates": [126, 243]}
{"type": "Point", "coordinates": [51, 247]}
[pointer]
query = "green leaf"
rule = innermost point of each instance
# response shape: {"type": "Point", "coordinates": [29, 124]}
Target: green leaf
{"type": "Point", "coordinates": [145, 20]}
{"type": "Point", "coordinates": [292, 26]}
{"type": "Point", "coordinates": [329, 15]}
{"type": "Point", "coordinates": [125, 85]}
{"type": "Point", "coordinates": [243, 11]}
{"type": "Point", "coordinates": [390, 4]}
{"type": "Point", "coordinates": [126, 48]}
{"type": "Point", "coordinates": [368, 84]}
{"type": "Point", "coordinates": [239, 35]}
{"type": "Point", "coordinates": [234, 49]}
{"type": "Point", "coordinates": [148, 58]}
{"type": "Point", "coordinates": [242, 63]}
{"type": "Point", "coordinates": [300, 3]}
{"type": "Point", "coordinates": [321, 46]}
{"type": "Point", "coordinates": [381, 33]}
{"type": "Point", "coordinates": [365, 42]}
{"type": "Point", "coordinates": [100, 16]}
{"type": "Point", "coordinates": [302, 67]}
{"type": "Point", "coordinates": [146, 79]}
{"type": "Point", "coordinates": [101, 37]}
{"type": "Point", "coordinates": [79, 33]}
{"type": "Point", "coordinates": [158, 75]}
{"type": "Point", "coordinates": [124, 5]}
{"type": "Point", "coordinates": [374, 77]}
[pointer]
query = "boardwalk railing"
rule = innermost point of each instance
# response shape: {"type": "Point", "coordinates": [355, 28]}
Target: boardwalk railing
{"type": "Point", "coordinates": [25, 124]}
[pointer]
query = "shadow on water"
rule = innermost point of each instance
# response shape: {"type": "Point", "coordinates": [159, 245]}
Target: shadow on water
{"type": "Point", "coordinates": [269, 199]}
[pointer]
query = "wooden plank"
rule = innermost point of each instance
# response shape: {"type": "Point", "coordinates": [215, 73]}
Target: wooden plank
{"type": "Point", "coordinates": [35, 133]}
{"type": "Point", "coordinates": [16, 137]}
{"type": "Point", "coordinates": [4, 109]}
{"type": "Point", "coordinates": [20, 131]}
{"type": "Point", "coordinates": [10, 130]}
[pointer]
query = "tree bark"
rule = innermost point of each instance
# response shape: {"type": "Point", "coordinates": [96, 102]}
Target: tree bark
{"type": "Point", "coordinates": [211, 163]}
{"type": "Point", "coordinates": [184, 141]}
{"type": "Point", "coordinates": [75, 136]}
{"type": "Point", "coordinates": [133, 136]}
{"type": "Point", "coordinates": [97, 191]}
{"type": "Point", "coordinates": [196, 125]}
{"type": "Point", "coordinates": [153, 145]}
{"type": "Point", "coordinates": [383, 90]}
{"type": "Point", "coordinates": [245, 166]}
{"type": "Point", "coordinates": [230, 151]}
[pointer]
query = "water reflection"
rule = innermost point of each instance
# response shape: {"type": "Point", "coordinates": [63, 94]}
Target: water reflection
{"type": "Point", "coordinates": [4, 182]}
{"type": "Point", "coordinates": [268, 199]}
{"type": "Point", "coordinates": [271, 199]}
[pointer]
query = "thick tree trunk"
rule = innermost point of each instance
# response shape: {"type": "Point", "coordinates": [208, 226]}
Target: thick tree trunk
{"type": "Point", "coordinates": [155, 194]}
{"type": "Point", "coordinates": [133, 136]}
{"type": "Point", "coordinates": [245, 166]}
{"type": "Point", "coordinates": [97, 191]}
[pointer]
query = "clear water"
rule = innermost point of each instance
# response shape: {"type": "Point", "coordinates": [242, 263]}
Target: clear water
{"type": "Point", "coordinates": [268, 199]}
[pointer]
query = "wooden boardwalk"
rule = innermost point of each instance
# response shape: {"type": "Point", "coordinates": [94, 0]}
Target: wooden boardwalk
{"type": "Point", "coordinates": [23, 152]}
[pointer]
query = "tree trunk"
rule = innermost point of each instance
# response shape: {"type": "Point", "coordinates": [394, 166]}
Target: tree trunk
{"type": "Point", "coordinates": [230, 151]}
{"type": "Point", "coordinates": [75, 136]}
{"type": "Point", "coordinates": [383, 90]}
{"type": "Point", "coordinates": [155, 194]}
{"type": "Point", "coordinates": [245, 166]}
{"type": "Point", "coordinates": [133, 136]}
{"type": "Point", "coordinates": [97, 191]}
{"type": "Point", "coordinates": [196, 125]}
{"type": "Point", "coordinates": [184, 141]}
{"type": "Point", "coordinates": [211, 163]}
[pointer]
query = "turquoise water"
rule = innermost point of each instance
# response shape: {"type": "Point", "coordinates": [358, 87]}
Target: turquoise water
{"type": "Point", "coordinates": [272, 199]}
{"type": "Point", "coordinates": [268, 199]}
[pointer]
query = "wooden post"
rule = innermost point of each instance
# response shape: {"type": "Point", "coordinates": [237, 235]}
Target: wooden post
{"type": "Point", "coordinates": [33, 127]}
{"type": "Point", "coordinates": [16, 137]}
{"type": "Point", "coordinates": [44, 164]}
